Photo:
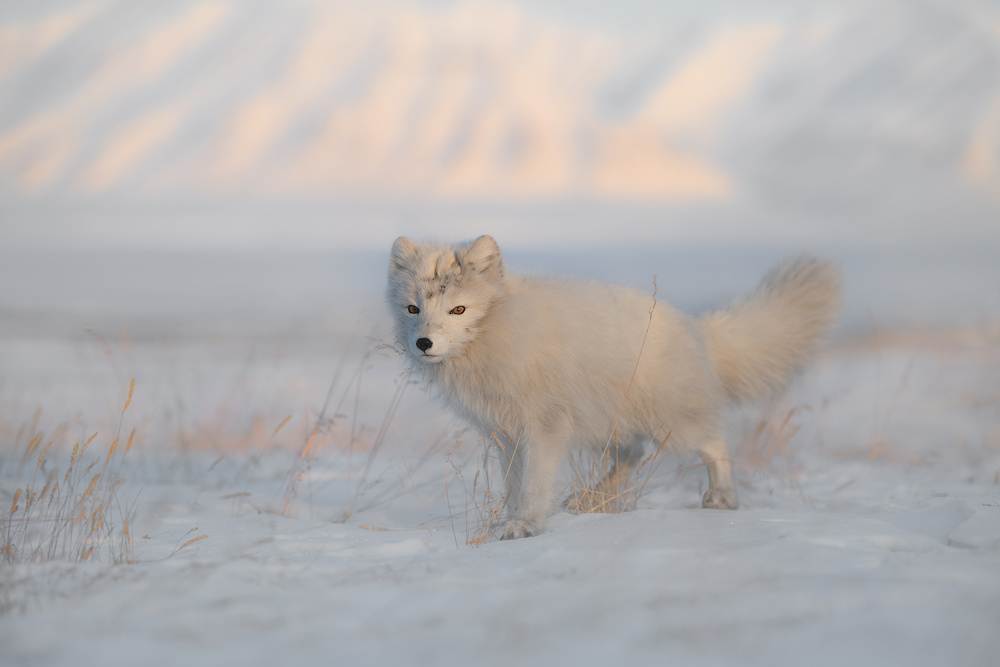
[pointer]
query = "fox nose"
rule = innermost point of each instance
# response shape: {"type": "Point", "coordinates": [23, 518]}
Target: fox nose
{"type": "Point", "coordinates": [424, 344]}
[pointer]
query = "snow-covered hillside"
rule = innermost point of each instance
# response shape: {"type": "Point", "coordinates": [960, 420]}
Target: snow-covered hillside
{"type": "Point", "coordinates": [884, 110]}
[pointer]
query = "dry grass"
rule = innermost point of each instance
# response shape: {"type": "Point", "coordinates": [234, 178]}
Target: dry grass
{"type": "Point", "coordinates": [880, 446]}
{"type": "Point", "coordinates": [767, 439]}
{"type": "Point", "coordinates": [83, 513]}
{"type": "Point", "coordinates": [340, 422]}
{"type": "Point", "coordinates": [600, 485]}
{"type": "Point", "coordinates": [78, 504]}
{"type": "Point", "coordinates": [323, 426]}
{"type": "Point", "coordinates": [484, 502]}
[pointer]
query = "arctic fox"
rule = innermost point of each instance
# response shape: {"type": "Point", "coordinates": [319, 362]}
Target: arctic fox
{"type": "Point", "coordinates": [540, 364]}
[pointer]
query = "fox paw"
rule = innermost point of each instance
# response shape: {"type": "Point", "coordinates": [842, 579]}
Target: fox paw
{"type": "Point", "coordinates": [515, 529]}
{"type": "Point", "coordinates": [716, 499]}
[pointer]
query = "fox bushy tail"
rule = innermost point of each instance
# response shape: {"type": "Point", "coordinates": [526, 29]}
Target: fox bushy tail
{"type": "Point", "coordinates": [758, 343]}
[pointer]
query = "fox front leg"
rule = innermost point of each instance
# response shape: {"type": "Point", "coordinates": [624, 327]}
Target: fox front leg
{"type": "Point", "coordinates": [534, 492]}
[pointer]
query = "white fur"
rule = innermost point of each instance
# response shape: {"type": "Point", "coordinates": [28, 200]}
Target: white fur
{"type": "Point", "coordinates": [541, 364]}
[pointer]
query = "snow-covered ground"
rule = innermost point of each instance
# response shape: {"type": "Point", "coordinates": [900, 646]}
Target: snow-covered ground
{"type": "Point", "coordinates": [869, 531]}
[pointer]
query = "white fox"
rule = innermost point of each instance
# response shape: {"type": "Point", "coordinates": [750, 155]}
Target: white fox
{"type": "Point", "coordinates": [540, 364]}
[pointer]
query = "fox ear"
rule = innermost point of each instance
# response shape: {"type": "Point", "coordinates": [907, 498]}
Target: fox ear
{"type": "Point", "coordinates": [403, 252]}
{"type": "Point", "coordinates": [482, 255]}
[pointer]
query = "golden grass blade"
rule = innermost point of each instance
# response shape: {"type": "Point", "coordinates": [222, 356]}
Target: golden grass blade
{"type": "Point", "coordinates": [281, 425]}
{"type": "Point", "coordinates": [13, 505]}
{"type": "Point", "coordinates": [72, 461]}
{"type": "Point", "coordinates": [308, 449]}
{"type": "Point", "coordinates": [111, 452]}
{"type": "Point", "coordinates": [128, 401]}
{"type": "Point", "coordinates": [42, 455]}
{"type": "Point", "coordinates": [89, 490]}
{"type": "Point", "coordinates": [192, 541]}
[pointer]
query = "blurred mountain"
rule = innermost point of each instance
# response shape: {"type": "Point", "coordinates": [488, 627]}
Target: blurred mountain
{"type": "Point", "coordinates": [811, 106]}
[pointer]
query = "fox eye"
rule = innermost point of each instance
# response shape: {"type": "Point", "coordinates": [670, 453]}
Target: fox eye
{"type": "Point", "coordinates": [457, 310]}
{"type": "Point", "coordinates": [412, 310]}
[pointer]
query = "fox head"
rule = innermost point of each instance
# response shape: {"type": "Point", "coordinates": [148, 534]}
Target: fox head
{"type": "Point", "coordinates": [439, 294]}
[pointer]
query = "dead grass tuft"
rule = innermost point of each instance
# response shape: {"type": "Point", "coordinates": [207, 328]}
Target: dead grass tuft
{"type": "Point", "coordinates": [768, 438]}
{"type": "Point", "coordinates": [334, 423]}
{"type": "Point", "coordinates": [75, 515]}
{"type": "Point", "coordinates": [619, 487]}
{"type": "Point", "coordinates": [483, 509]}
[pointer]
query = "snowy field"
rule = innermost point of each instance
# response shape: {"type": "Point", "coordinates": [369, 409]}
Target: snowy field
{"type": "Point", "coordinates": [360, 530]}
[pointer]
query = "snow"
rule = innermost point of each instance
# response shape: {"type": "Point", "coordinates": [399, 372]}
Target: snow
{"type": "Point", "coordinates": [869, 530]}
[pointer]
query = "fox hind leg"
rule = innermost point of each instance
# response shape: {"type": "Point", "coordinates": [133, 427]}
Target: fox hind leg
{"type": "Point", "coordinates": [721, 494]}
